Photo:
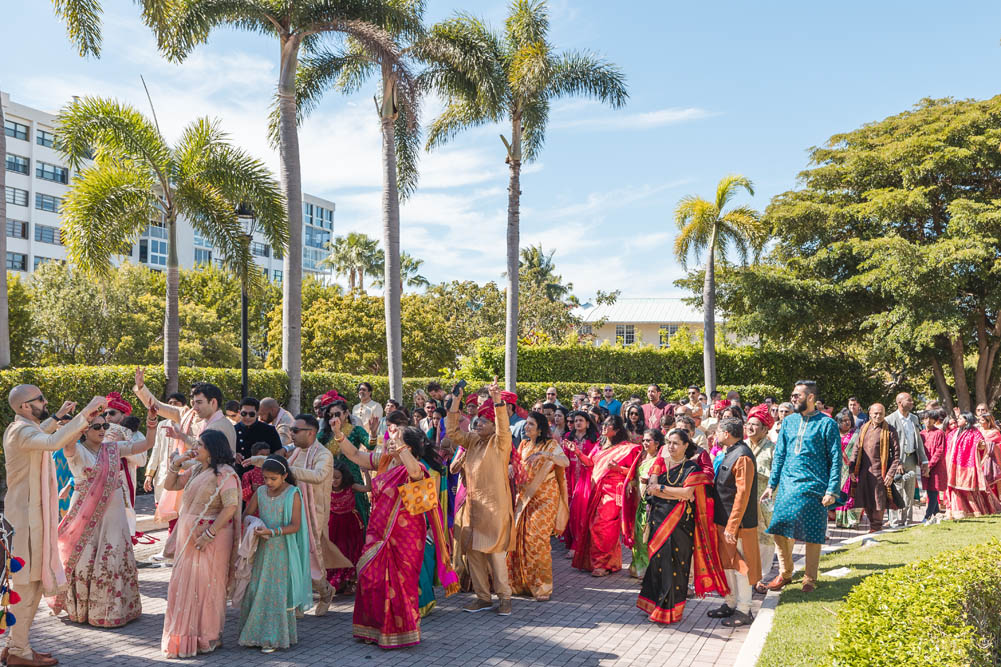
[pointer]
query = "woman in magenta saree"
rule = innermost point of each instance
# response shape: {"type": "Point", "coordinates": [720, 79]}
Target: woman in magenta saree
{"type": "Point", "coordinates": [968, 465]}
{"type": "Point", "coordinates": [611, 509]}
{"type": "Point", "coordinates": [579, 442]}
{"type": "Point", "coordinates": [386, 600]}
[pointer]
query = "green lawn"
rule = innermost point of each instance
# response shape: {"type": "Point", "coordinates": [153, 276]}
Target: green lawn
{"type": "Point", "coordinates": [804, 624]}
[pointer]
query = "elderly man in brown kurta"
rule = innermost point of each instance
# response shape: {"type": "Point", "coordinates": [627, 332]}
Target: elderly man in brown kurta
{"type": "Point", "coordinates": [876, 461]}
{"type": "Point", "coordinates": [485, 520]}
{"type": "Point", "coordinates": [33, 507]}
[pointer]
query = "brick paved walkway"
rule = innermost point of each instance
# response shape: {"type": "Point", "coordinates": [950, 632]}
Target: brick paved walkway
{"type": "Point", "coordinates": [588, 622]}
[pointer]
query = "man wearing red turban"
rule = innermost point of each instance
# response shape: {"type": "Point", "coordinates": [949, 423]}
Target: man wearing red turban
{"type": "Point", "coordinates": [759, 423]}
{"type": "Point", "coordinates": [118, 409]}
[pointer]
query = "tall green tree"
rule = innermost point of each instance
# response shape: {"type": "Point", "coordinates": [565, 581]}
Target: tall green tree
{"type": "Point", "coordinates": [538, 268]}
{"type": "Point", "coordinates": [138, 180]}
{"type": "Point", "coordinates": [889, 250]}
{"type": "Point", "coordinates": [354, 256]}
{"type": "Point", "coordinates": [410, 272]}
{"type": "Point", "coordinates": [708, 228]}
{"type": "Point", "coordinates": [294, 25]}
{"type": "Point", "coordinates": [512, 77]}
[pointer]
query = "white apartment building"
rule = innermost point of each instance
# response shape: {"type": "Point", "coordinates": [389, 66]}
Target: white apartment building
{"type": "Point", "coordinates": [37, 181]}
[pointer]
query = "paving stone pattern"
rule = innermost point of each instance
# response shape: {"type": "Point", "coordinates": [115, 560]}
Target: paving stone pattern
{"type": "Point", "coordinates": [589, 621]}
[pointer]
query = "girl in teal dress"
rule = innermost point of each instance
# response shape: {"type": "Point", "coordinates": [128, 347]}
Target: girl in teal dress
{"type": "Point", "coordinates": [428, 579]}
{"type": "Point", "coordinates": [280, 579]}
{"type": "Point", "coordinates": [64, 480]}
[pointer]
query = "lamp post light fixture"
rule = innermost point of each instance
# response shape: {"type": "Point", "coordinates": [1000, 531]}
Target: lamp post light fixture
{"type": "Point", "coordinates": [248, 221]}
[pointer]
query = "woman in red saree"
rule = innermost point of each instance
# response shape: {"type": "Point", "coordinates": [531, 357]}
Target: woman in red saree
{"type": "Point", "coordinates": [540, 510]}
{"type": "Point", "coordinates": [581, 439]}
{"type": "Point", "coordinates": [969, 463]}
{"type": "Point", "coordinates": [386, 599]}
{"type": "Point", "coordinates": [95, 542]}
{"type": "Point", "coordinates": [611, 509]}
{"type": "Point", "coordinates": [681, 534]}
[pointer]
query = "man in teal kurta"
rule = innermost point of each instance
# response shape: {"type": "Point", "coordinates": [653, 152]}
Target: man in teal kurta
{"type": "Point", "coordinates": [805, 480]}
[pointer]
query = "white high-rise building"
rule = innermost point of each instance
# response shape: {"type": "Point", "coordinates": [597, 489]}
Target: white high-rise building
{"type": "Point", "coordinates": [38, 180]}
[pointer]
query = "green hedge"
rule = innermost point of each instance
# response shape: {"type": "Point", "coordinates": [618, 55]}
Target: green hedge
{"type": "Point", "coordinates": [681, 365]}
{"type": "Point", "coordinates": [938, 612]}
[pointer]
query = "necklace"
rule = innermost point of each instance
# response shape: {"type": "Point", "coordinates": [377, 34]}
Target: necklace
{"type": "Point", "coordinates": [681, 469]}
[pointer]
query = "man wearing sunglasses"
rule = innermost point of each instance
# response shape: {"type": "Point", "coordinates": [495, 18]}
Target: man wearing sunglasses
{"type": "Point", "coordinates": [250, 430]}
{"type": "Point", "coordinates": [205, 412]}
{"type": "Point", "coordinates": [34, 512]}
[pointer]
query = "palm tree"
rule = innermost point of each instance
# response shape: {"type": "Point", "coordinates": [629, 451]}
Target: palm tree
{"type": "Point", "coordinates": [487, 78]}
{"type": "Point", "coordinates": [293, 24]}
{"type": "Point", "coordinates": [138, 179]}
{"type": "Point", "coordinates": [410, 272]}
{"type": "Point", "coordinates": [705, 227]}
{"type": "Point", "coordinates": [347, 69]}
{"type": "Point", "coordinates": [354, 256]}
{"type": "Point", "coordinates": [538, 267]}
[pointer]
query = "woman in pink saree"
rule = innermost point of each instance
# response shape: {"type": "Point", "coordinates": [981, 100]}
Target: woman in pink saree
{"type": "Point", "coordinates": [95, 542]}
{"type": "Point", "coordinates": [386, 600]}
{"type": "Point", "coordinates": [969, 463]}
{"type": "Point", "coordinates": [611, 509]}
{"type": "Point", "coordinates": [581, 439]}
{"type": "Point", "coordinates": [204, 545]}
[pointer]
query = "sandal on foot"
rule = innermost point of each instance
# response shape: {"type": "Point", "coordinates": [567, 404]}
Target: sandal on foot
{"type": "Point", "coordinates": [600, 573]}
{"type": "Point", "coordinates": [738, 620]}
{"type": "Point", "coordinates": [722, 611]}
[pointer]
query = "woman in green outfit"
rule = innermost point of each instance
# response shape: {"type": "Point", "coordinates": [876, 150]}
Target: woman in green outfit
{"type": "Point", "coordinates": [653, 440]}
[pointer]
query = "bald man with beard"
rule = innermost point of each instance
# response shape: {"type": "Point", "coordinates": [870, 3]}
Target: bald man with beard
{"type": "Point", "coordinates": [34, 514]}
{"type": "Point", "coordinates": [876, 459]}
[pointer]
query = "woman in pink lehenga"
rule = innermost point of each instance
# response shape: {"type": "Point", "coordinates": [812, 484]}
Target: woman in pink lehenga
{"type": "Point", "coordinates": [611, 510]}
{"type": "Point", "coordinates": [580, 439]}
{"type": "Point", "coordinates": [204, 543]}
{"type": "Point", "coordinates": [969, 462]}
{"type": "Point", "coordinates": [386, 599]}
{"type": "Point", "coordinates": [95, 542]}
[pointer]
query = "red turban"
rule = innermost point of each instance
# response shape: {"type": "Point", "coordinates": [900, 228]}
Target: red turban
{"type": "Point", "coordinates": [116, 402]}
{"type": "Point", "coordinates": [721, 405]}
{"type": "Point", "coordinates": [330, 397]}
{"type": "Point", "coordinates": [509, 397]}
{"type": "Point", "coordinates": [473, 398]}
{"type": "Point", "coordinates": [762, 414]}
{"type": "Point", "coordinates": [487, 410]}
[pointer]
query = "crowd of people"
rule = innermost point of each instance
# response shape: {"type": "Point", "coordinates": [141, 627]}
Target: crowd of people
{"type": "Point", "coordinates": [396, 505]}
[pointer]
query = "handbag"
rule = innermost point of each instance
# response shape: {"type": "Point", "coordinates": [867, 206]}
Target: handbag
{"type": "Point", "coordinates": [419, 496]}
{"type": "Point", "coordinates": [896, 501]}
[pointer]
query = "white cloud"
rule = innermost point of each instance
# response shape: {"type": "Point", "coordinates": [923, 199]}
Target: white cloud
{"type": "Point", "coordinates": [643, 120]}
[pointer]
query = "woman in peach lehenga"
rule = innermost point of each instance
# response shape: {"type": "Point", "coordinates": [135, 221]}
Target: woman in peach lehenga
{"type": "Point", "coordinates": [204, 544]}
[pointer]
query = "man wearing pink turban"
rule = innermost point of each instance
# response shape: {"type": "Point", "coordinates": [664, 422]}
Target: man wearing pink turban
{"type": "Point", "coordinates": [759, 423]}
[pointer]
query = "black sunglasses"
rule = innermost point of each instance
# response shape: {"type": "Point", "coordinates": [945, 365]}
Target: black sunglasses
{"type": "Point", "coordinates": [244, 413]}
{"type": "Point", "coordinates": [36, 398]}
{"type": "Point", "coordinates": [296, 429]}
{"type": "Point", "coordinates": [110, 413]}
{"type": "Point", "coordinates": [101, 427]}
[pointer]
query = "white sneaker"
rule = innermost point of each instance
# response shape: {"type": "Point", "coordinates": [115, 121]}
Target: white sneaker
{"type": "Point", "coordinates": [158, 558]}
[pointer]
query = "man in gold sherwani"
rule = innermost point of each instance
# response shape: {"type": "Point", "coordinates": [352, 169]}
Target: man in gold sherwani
{"type": "Point", "coordinates": [32, 507]}
{"type": "Point", "coordinates": [204, 414]}
{"type": "Point", "coordinates": [484, 525]}
{"type": "Point", "coordinates": [312, 464]}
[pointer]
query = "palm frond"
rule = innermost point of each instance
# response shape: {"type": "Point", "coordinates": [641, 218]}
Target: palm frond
{"type": "Point", "coordinates": [408, 152]}
{"type": "Point", "coordinates": [464, 60]}
{"type": "Point", "coordinates": [527, 23]}
{"type": "Point", "coordinates": [695, 218]}
{"type": "Point", "coordinates": [578, 73]}
{"type": "Point", "coordinates": [530, 70]}
{"type": "Point", "coordinates": [534, 118]}
{"type": "Point", "coordinates": [727, 189]}
{"type": "Point", "coordinates": [189, 23]}
{"type": "Point", "coordinates": [106, 209]}
{"type": "Point", "coordinates": [398, 17]}
{"type": "Point", "coordinates": [456, 117]}
{"type": "Point", "coordinates": [83, 24]}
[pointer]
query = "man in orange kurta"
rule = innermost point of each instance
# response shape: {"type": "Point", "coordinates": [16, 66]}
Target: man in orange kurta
{"type": "Point", "coordinates": [736, 519]}
{"type": "Point", "coordinates": [484, 525]}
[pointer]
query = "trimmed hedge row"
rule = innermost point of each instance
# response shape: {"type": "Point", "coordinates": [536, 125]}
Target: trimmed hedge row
{"type": "Point", "coordinates": [938, 612]}
{"type": "Point", "coordinates": [681, 365]}
{"type": "Point", "coordinates": [79, 383]}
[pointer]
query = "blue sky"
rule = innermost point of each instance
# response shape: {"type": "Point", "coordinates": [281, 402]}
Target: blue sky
{"type": "Point", "coordinates": [715, 88]}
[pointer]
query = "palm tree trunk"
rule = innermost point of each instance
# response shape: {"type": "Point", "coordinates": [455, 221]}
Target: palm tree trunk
{"type": "Point", "coordinates": [4, 322]}
{"type": "Point", "coordinates": [709, 321]}
{"type": "Point", "coordinates": [171, 319]}
{"type": "Point", "coordinates": [513, 223]}
{"type": "Point", "coordinates": [392, 279]}
{"type": "Point", "coordinates": [941, 386]}
{"type": "Point", "coordinates": [291, 183]}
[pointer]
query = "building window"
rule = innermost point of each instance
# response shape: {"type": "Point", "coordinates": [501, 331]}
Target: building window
{"type": "Point", "coordinates": [584, 330]}
{"type": "Point", "coordinates": [202, 242]}
{"type": "Point", "coordinates": [219, 264]}
{"type": "Point", "coordinates": [39, 260]}
{"type": "Point", "coordinates": [260, 249]}
{"type": "Point", "coordinates": [17, 163]}
{"type": "Point", "coordinates": [625, 334]}
{"type": "Point", "coordinates": [46, 234]}
{"type": "Point", "coordinates": [15, 130]}
{"type": "Point", "coordinates": [307, 213]}
{"type": "Point", "coordinates": [17, 229]}
{"type": "Point", "coordinates": [203, 256]}
{"type": "Point", "coordinates": [16, 196]}
{"type": "Point", "coordinates": [44, 138]}
{"type": "Point", "coordinates": [311, 258]}
{"type": "Point", "coordinates": [278, 276]}
{"type": "Point", "coordinates": [155, 231]}
{"type": "Point", "coordinates": [152, 251]}
{"type": "Point", "coordinates": [17, 261]}
{"type": "Point", "coordinates": [666, 331]}
{"type": "Point", "coordinates": [316, 238]}
{"type": "Point", "coordinates": [52, 172]}
{"type": "Point", "coordinates": [47, 202]}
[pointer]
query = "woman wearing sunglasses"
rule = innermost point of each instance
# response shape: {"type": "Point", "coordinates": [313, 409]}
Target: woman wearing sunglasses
{"type": "Point", "coordinates": [103, 583]}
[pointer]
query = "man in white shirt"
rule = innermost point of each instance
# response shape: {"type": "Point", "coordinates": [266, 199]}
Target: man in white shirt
{"type": "Point", "coordinates": [366, 409]}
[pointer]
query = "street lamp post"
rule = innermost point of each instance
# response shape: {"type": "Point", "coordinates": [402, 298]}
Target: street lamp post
{"type": "Point", "coordinates": [248, 222]}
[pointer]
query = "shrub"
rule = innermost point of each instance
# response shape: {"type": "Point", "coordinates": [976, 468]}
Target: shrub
{"type": "Point", "coordinates": [938, 612]}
